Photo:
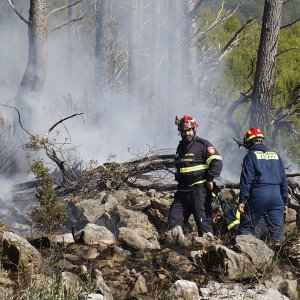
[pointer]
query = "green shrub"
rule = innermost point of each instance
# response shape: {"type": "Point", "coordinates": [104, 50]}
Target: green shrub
{"type": "Point", "coordinates": [51, 214]}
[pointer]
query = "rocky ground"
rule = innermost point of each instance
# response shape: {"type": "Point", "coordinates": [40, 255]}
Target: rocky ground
{"type": "Point", "coordinates": [115, 246]}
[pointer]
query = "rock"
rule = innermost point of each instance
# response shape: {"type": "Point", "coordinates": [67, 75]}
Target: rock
{"type": "Point", "coordinates": [175, 236]}
{"type": "Point", "coordinates": [65, 265]}
{"type": "Point", "coordinates": [93, 234]}
{"type": "Point", "coordinates": [287, 287]}
{"type": "Point", "coordinates": [71, 281]}
{"type": "Point", "coordinates": [138, 222]}
{"type": "Point", "coordinates": [20, 252]}
{"type": "Point", "coordinates": [256, 250]}
{"type": "Point", "coordinates": [89, 211]}
{"type": "Point", "coordinates": [61, 240]}
{"type": "Point", "coordinates": [132, 240]}
{"type": "Point", "coordinates": [81, 251]}
{"type": "Point", "coordinates": [174, 261]}
{"type": "Point", "coordinates": [183, 290]}
{"type": "Point", "coordinates": [101, 285]}
{"type": "Point", "coordinates": [249, 257]}
{"type": "Point", "coordinates": [292, 250]}
{"type": "Point", "coordinates": [140, 287]}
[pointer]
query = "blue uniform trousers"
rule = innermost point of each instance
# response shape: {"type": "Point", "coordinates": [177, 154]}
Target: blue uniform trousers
{"type": "Point", "coordinates": [264, 201]}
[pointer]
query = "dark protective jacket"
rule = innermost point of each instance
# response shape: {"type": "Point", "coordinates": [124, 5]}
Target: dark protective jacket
{"type": "Point", "coordinates": [262, 167]}
{"type": "Point", "coordinates": [196, 162]}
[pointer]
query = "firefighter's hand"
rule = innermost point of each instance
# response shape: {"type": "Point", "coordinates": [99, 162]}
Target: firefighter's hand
{"type": "Point", "coordinates": [241, 207]}
{"type": "Point", "coordinates": [209, 185]}
{"type": "Point", "coordinates": [285, 210]}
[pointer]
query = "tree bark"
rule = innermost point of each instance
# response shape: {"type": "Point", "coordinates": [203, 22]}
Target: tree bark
{"type": "Point", "coordinates": [176, 20]}
{"type": "Point", "coordinates": [134, 48]}
{"type": "Point", "coordinates": [72, 38]}
{"type": "Point", "coordinates": [104, 52]}
{"type": "Point", "coordinates": [158, 75]}
{"type": "Point", "coordinates": [265, 68]}
{"type": "Point", "coordinates": [34, 77]}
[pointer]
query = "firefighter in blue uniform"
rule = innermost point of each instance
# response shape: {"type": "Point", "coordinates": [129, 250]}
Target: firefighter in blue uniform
{"type": "Point", "coordinates": [263, 188]}
{"type": "Point", "coordinates": [197, 164]}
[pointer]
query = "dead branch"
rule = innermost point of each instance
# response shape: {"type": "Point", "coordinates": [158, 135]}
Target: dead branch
{"type": "Point", "coordinates": [195, 9]}
{"type": "Point", "coordinates": [229, 45]}
{"type": "Point", "coordinates": [37, 143]}
{"type": "Point", "coordinates": [286, 50]}
{"type": "Point", "coordinates": [232, 108]}
{"type": "Point", "coordinates": [231, 41]}
{"type": "Point", "coordinates": [293, 175]}
{"type": "Point", "coordinates": [63, 7]}
{"type": "Point", "coordinates": [280, 115]}
{"type": "Point", "coordinates": [290, 24]}
{"type": "Point", "coordinates": [66, 23]}
{"type": "Point", "coordinates": [19, 118]}
{"type": "Point", "coordinates": [17, 13]}
{"type": "Point", "coordinates": [68, 175]}
{"type": "Point", "coordinates": [62, 120]}
{"type": "Point", "coordinates": [198, 36]}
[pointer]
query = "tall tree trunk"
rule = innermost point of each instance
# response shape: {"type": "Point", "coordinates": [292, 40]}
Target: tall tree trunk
{"type": "Point", "coordinates": [175, 55]}
{"type": "Point", "coordinates": [191, 53]}
{"type": "Point", "coordinates": [158, 75]}
{"type": "Point", "coordinates": [34, 77]}
{"type": "Point", "coordinates": [104, 53]}
{"type": "Point", "coordinates": [265, 67]}
{"type": "Point", "coordinates": [72, 38]}
{"type": "Point", "coordinates": [134, 48]}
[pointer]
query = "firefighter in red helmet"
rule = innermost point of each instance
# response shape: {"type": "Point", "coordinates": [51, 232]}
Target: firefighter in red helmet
{"type": "Point", "coordinates": [197, 164]}
{"type": "Point", "coordinates": [263, 188]}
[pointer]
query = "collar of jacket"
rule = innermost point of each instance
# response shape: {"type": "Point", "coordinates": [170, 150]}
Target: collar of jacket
{"type": "Point", "coordinates": [259, 147]}
{"type": "Point", "coordinates": [188, 143]}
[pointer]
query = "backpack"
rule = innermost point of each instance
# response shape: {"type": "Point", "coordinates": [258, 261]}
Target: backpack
{"type": "Point", "coordinates": [226, 215]}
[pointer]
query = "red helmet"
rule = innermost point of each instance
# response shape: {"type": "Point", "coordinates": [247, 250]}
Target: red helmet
{"type": "Point", "coordinates": [185, 123]}
{"type": "Point", "coordinates": [253, 133]}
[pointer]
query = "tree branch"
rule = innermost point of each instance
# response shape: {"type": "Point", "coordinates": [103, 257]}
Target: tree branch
{"type": "Point", "coordinates": [62, 120]}
{"type": "Point", "coordinates": [37, 143]}
{"type": "Point", "coordinates": [286, 50]}
{"type": "Point", "coordinates": [63, 7]}
{"type": "Point", "coordinates": [280, 117]}
{"type": "Point", "coordinates": [200, 34]}
{"type": "Point", "coordinates": [66, 23]}
{"type": "Point", "coordinates": [195, 9]}
{"type": "Point", "coordinates": [290, 24]}
{"type": "Point", "coordinates": [17, 13]}
{"type": "Point", "coordinates": [231, 109]}
{"type": "Point", "coordinates": [229, 44]}
{"type": "Point", "coordinates": [19, 118]}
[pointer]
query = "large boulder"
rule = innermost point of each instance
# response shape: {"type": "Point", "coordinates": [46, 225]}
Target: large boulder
{"type": "Point", "coordinates": [249, 257]}
{"type": "Point", "coordinates": [19, 253]}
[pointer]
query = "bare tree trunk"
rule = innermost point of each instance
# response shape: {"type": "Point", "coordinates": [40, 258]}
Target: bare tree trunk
{"type": "Point", "coordinates": [134, 48]}
{"type": "Point", "coordinates": [104, 52]}
{"type": "Point", "coordinates": [34, 77]}
{"type": "Point", "coordinates": [265, 67]}
{"type": "Point", "coordinates": [72, 37]}
{"type": "Point", "coordinates": [158, 76]}
{"type": "Point", "coordinates": [175, 55]}
{"type": "Point", "coordinates": [191, 53]}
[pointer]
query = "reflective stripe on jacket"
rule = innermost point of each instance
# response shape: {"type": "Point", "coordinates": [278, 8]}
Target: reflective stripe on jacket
{"type": "Point", "coordinates": [196, 162]}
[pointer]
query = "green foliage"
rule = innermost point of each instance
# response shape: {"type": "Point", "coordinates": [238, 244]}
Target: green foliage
{"type": "Point", "coordinates": [235, 72]}
{"type": "Point", "coordinates": [51, 214]}
{"type": "Point", "coordinates": [236, 68]}
{"type": "Point", "coordinates": [255, 8]}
